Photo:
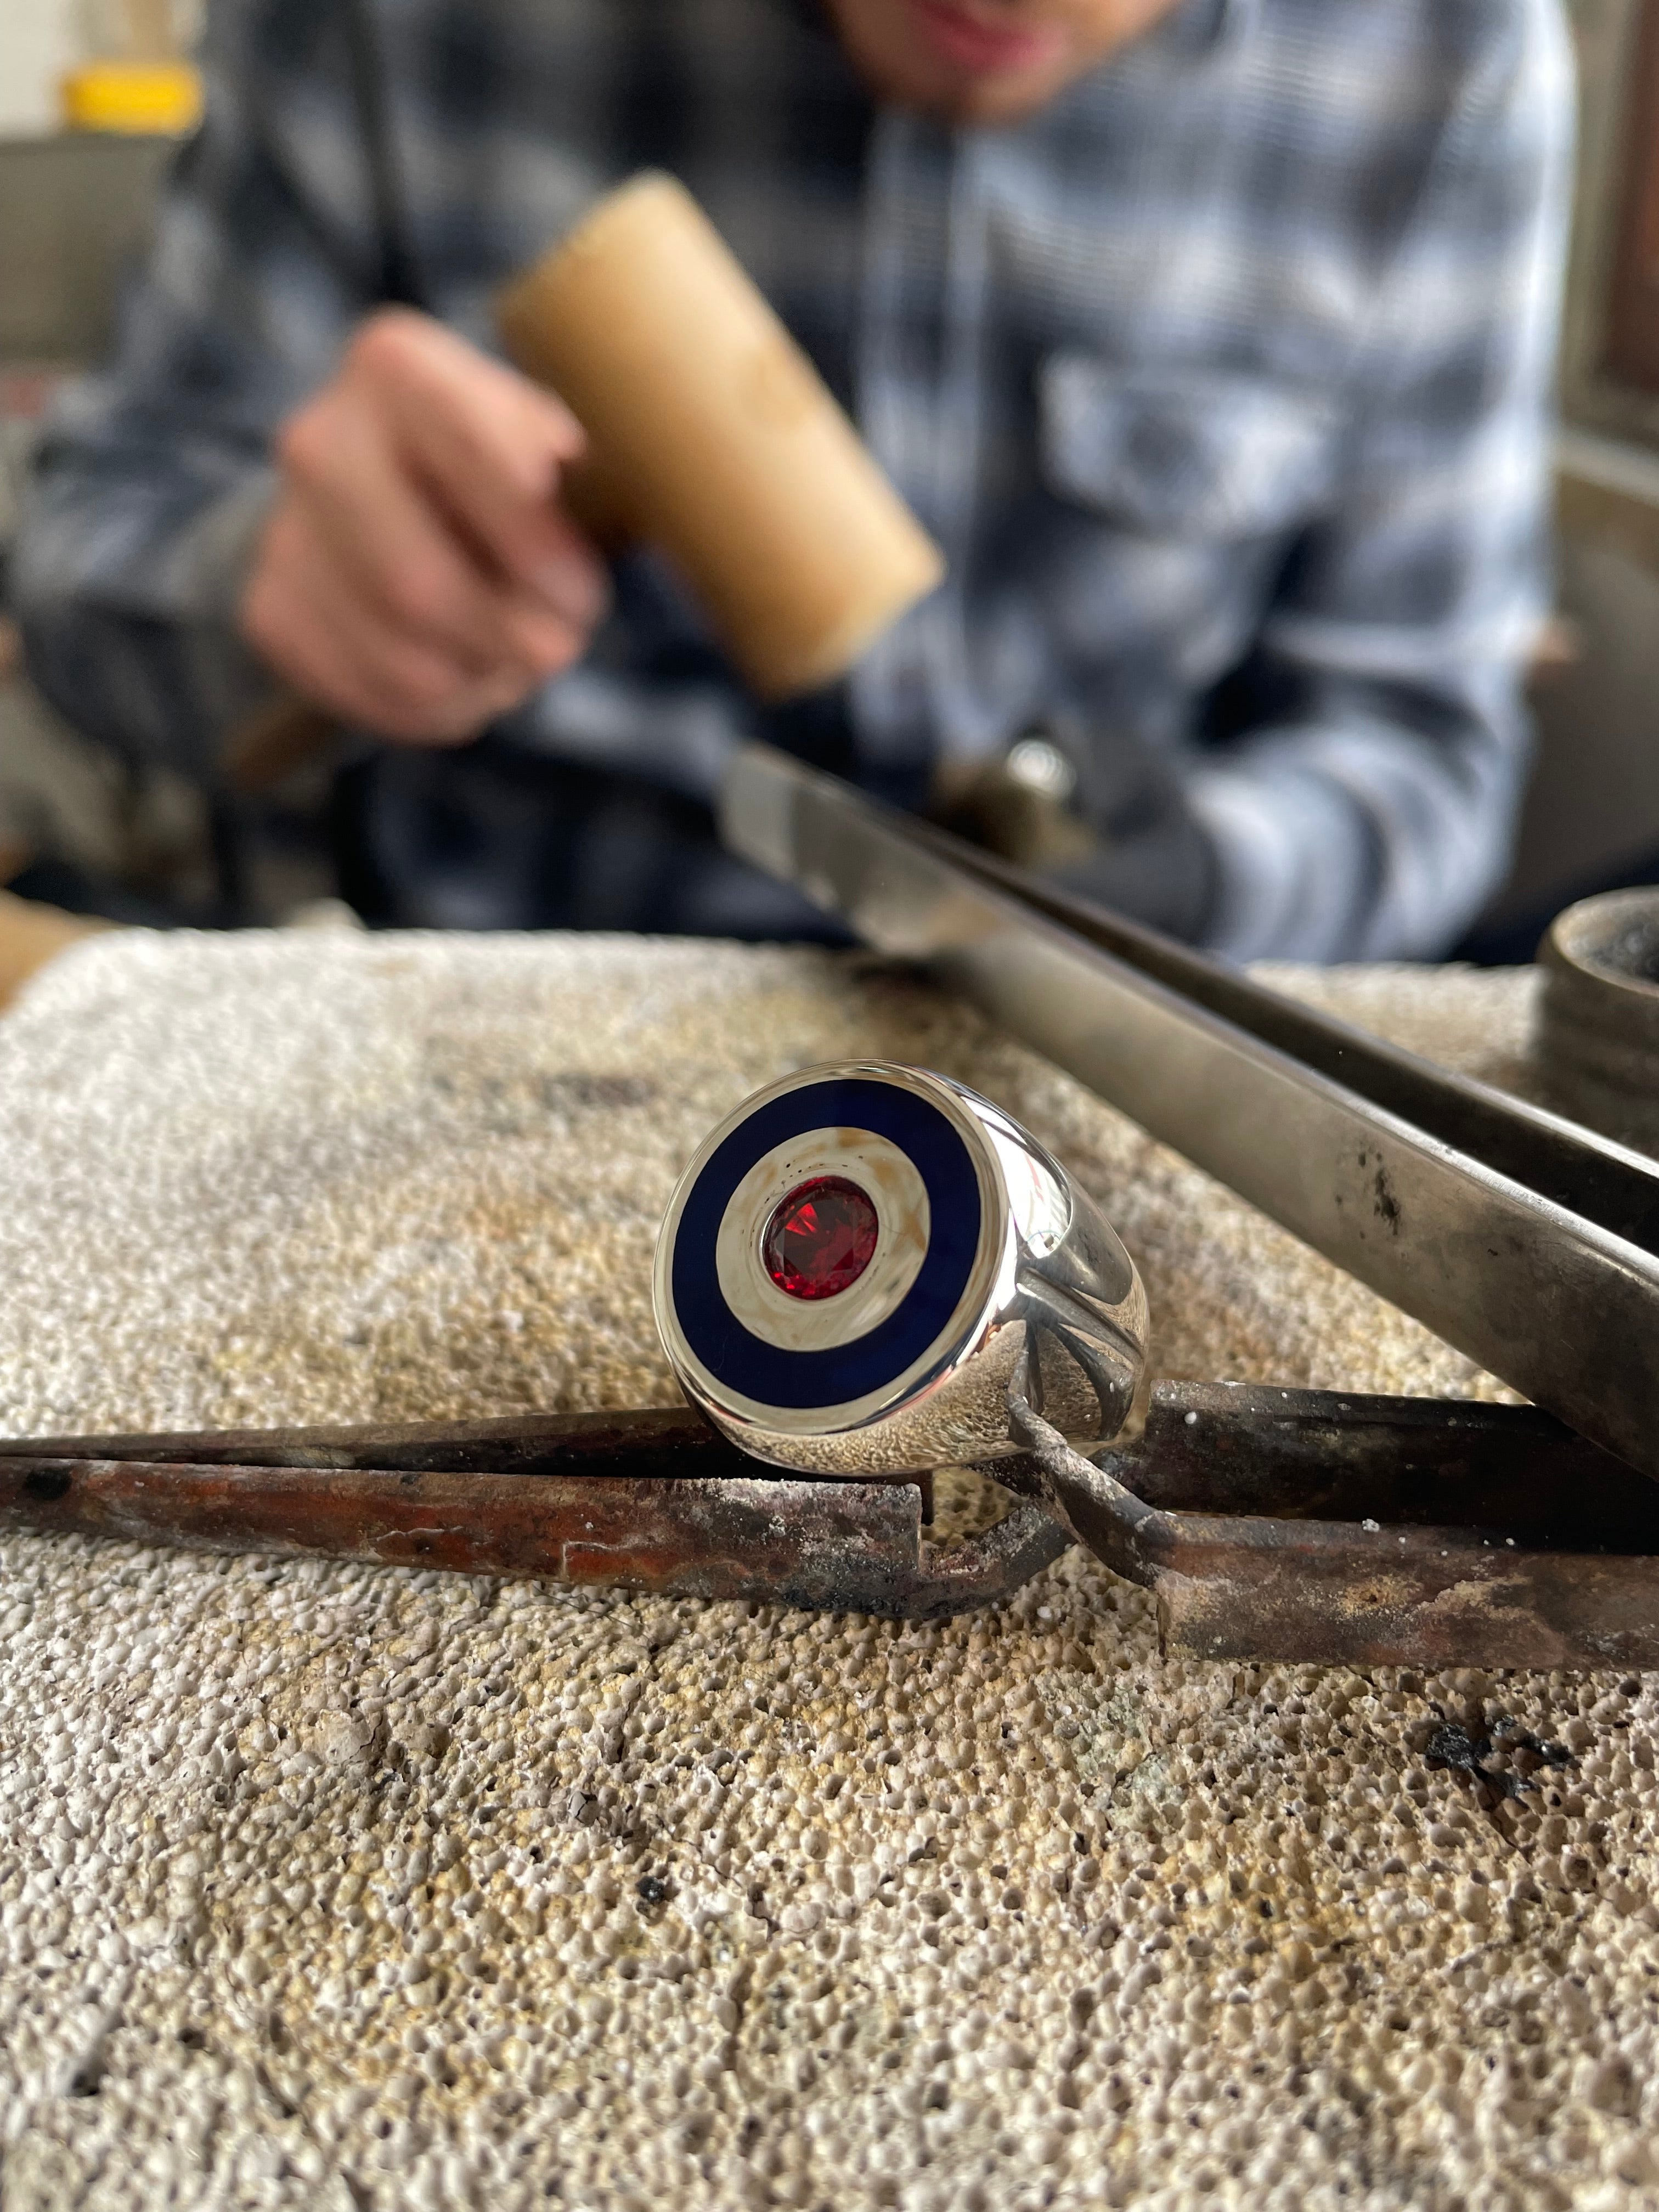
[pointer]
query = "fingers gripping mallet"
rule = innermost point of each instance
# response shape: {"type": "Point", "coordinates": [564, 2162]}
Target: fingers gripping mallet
{"type": "Point", "coordinates": [714, 438]}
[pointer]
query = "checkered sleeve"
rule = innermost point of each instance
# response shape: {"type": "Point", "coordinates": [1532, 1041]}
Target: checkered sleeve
{"type": "Point", "coordinates": [153, 478]}
{"type": "Point", "coordinates": [1372, 817]}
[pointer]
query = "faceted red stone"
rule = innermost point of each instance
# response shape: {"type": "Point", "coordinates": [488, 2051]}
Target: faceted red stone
{"type": "Point", "coordinates": [821, 1239]}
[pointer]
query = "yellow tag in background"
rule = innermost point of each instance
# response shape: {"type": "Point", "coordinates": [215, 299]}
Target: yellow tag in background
{"type": "Point", "coordinates": [159, 98]}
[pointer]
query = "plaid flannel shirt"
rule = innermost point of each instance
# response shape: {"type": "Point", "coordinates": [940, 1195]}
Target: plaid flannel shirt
{"type": "Point", "coordinates": [1223, 383]}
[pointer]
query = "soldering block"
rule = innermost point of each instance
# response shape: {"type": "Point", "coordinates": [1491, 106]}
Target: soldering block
{"type": "Point", "coordinates": [330, 1885]}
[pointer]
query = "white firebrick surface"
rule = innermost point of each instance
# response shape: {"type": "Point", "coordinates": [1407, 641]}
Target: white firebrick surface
{"type": "Point", "coordinates": [336, 1887]}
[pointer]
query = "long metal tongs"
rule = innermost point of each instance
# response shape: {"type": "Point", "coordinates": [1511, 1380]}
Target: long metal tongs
{"type": "Point", "coordinates": [1525, 1240]}
{"type": "Point", "coordinates": [1491, 1535]}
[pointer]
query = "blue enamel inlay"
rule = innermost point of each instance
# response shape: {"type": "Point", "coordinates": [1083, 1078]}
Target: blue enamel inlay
{"type": "Point", "coordinates": [765, 1372]}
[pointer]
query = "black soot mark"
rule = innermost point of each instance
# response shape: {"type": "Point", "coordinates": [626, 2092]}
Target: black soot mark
{"type": "Point", "coordinates": [1466, 1750]}
{"type": "Point", "coordinates": [1385, 1205]}
{"type": "Point", "coordinates": [47, 1484]}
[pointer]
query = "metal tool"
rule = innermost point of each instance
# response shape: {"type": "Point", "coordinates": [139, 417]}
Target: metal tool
{"type": "Point", "coordinates": [649, 1500]}
{"type": "Point", "coordinates": [1598, 1028]}
{"type": "Point", "coordinates": [1371, 1531]}
{"type": "Point", "coordinates": [1528, 1242]}
{"type": "Point", "coordinates": [1491, 1535]}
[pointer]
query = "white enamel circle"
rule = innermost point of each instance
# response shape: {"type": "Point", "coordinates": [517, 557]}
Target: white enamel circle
{"type": "Point", "coordinates": [889, 1181]}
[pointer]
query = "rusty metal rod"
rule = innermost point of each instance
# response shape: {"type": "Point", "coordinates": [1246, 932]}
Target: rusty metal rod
{"type": "Point", "coordinates": [669, 1442]}
{"type": "Point", "coordinates": [1268, 1523]}
{"type": "Point", "coordinates": [1361, 1531]}
{"type": "Point", "coordinates": [651, 1501]}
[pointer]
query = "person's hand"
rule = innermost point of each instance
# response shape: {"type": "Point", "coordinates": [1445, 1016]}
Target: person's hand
{"type": "Point", "coordinates": [416, 576]}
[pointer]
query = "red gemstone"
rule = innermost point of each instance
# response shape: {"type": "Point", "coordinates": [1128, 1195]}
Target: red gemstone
{"type": "Point", "coordinates": [821, 1239]}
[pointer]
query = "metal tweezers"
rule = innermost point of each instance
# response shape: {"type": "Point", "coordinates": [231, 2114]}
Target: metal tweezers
{"type": "Point", "coordinates": [1268, 1523]}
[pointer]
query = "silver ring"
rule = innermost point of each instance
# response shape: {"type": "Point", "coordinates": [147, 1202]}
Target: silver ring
{"type": "Point", "coordinates": [860, 1263]}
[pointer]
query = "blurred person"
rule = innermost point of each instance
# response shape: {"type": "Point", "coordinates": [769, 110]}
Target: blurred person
{"type": "Point", "coordinates": [1212, 339]}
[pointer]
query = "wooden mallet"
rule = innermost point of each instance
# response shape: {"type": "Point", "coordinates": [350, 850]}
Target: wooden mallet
{"type": "Point", "coordinates": [714, 438]}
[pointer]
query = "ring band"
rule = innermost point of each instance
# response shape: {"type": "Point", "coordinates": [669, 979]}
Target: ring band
{"type": "Point", "coordinates": [860, 1263]}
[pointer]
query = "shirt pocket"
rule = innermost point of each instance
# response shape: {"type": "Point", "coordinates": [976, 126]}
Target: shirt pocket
{"type": "Point", "coordinates": [1182, 454]}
